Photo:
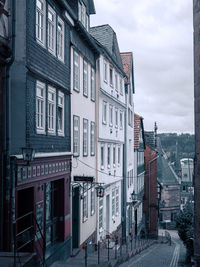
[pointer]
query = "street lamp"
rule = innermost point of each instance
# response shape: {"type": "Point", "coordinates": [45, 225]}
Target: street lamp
{"type": "Point", "coordinates": [133, 196]}
{"type": "Point", "coordinates": [28, 154]}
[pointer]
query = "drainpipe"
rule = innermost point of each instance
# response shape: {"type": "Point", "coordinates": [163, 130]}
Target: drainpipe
{"type": "Point", "coordinates": [124, 192]}
{"type": "Point", "coordinates": [149, 187]}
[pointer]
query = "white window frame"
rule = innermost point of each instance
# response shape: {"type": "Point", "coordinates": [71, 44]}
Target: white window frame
{"type": "Point", "coordinates": [105, 71]}
{"type": "Point", "coordinates": [92, 200]}
{"type": "Point", "coordinates": [121, 119]}
{"type": "Point", "coordinates": [111, 115]}
{"type": "Point", "coordinates": [102, 156]}
{"type": "Point", "coordinates": [92, 138]}
{"type": "Point", "coordinates": [116, 117]}
{"type": "Point", "coordinates": [76, 71]}
{"type": "Point", "coordinates": [85, 201]}
{"type": "Point", "coordinates": [114, 156]}
{"type": "Point", "coordinates": [51, 31]}
{"type": "Point", "coordinates": [113, 203]}
{"type": "Point", "coordinates": [119, 155]}
{"type": "Point", "coordinates": [85, 137]}
{"type": "Point", "coordinates": [117, 201]}
{"type": "Point", "coordinates": [108, 156]}
{"type": "Point", "coordinates": [51, 110]}
{"type": "Point", "coordinates": [61, 104]}
{"type": "Point", "coordinates": [41, 105]}
{"type": "Point", "coordinates": [92, 84]}
{"type": "Point", "coordinates": [111, 75]}
{"type": "Point", "coordinates": [104, 113]}
{"type": "Point", "coordinates": [85, 78]}
{"type": "Point", "coordinates": [61, 40]}
{"type": "Point", "coordinates": [121, 85]}
{"type": "Point", "coordinates": [116, 82]}
{"type": "Point", "coordinates": [76, 135]}
{"type": "Point", "coordinates": [101, 215]}
{"type": "Point", "coordinates": [41, 22]}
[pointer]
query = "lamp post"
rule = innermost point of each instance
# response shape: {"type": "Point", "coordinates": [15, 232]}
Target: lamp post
{"type": "Point", "coordinates": [149, 190]}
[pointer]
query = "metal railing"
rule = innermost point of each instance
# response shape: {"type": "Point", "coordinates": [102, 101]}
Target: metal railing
{"type": "Point", "coordinates": [25, 238]}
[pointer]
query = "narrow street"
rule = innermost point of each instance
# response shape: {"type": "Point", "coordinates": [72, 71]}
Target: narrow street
{"type": "Point", "coordinates": [160, 255]}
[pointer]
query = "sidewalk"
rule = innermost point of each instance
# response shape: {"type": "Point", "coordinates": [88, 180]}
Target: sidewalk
{"type": "Point", "coordinates": [112, 257]}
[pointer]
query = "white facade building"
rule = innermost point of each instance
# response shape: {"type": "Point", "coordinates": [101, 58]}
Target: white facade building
{"type": "Point", "coordinates": [111, 110]}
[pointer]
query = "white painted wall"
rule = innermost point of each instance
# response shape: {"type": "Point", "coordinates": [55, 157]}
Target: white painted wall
{"type": "Point", "coordinates": [84, 108]}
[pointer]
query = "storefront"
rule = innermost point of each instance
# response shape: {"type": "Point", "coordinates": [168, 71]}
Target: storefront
{"type": "Point", "coordinates": [42, 206]}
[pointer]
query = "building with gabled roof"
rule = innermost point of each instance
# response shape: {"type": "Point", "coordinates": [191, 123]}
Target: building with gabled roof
{"type": "Point", "coordinates": [111, 124]}
{"type": "Point", "coordinates": [139, 172]}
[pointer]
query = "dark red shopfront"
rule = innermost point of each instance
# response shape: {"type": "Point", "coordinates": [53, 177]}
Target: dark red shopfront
{"type": "Point", "coordinates": [42, 207]}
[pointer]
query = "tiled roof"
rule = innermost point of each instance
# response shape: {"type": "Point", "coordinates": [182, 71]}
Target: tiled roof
{"type": "Point", "coordinates": [150, 138]}
{"type": "Point", "coordinates": [166, 174]}
{"type": "Point", "coordinates": [107, 37]}
{"type": "Point", "coordinates": [137, 120]}
{"type": "Point", "coordinates": [127, 61]}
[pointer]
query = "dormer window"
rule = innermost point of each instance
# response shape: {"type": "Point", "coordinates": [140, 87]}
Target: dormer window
{"type": "Point", "coordinates": [82, 15]}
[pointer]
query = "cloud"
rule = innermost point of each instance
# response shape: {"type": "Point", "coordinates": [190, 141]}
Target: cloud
{"type": "Point", "coordinates": [160, 35]}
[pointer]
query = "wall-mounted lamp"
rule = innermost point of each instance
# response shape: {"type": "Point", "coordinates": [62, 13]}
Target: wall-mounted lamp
{"type": "Point", "coordinates": [28, 154]}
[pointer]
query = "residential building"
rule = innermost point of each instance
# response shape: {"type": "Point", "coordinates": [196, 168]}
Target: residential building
{"type": "Point", "coordinates": [187, 189]}
{"type": "Point", "coordinates": [128, 159]}
{"type": "Point", "coordinates": [139, 173]}
{"type": "Point", "coordinates": [150, 202]}
{"type": "Point", "coordinates": [111, 121]}
{"type": "Point", "coordinates": [37, 189]}
{"type": "Point", "coordinates": [84, 53]}
{"type": "Point", "coordinates": [5, 62]}
{"type": "Point", "coordinates": [196, 22]}
{"type": "Point", "coordinates": [170, 190]}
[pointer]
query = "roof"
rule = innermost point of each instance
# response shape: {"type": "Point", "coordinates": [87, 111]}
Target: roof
{"type": "Point", "coordinates": [150, 138]}
{"type": "Point", "coordinates": [138, 126]}
{"type": "Point", "coordinates": [166, 174]}
{"type": "Point", "coordinates": [107, 37]}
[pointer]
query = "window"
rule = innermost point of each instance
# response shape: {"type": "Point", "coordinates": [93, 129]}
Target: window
{"type": "Point", "coordinates": [130, 96]}
{"type": "Point", "coordinates": [84, 19]}
{"type": "Point", "coordinates": [101, 214]}
{"type": "Point", "coordinates": [51, 110]}
{"type": "Point", "coordinates": [117, 200]}
{"type": "Point", "coordinates": [92, 200]}
{"type": "Point", "coordinates": [85, 78]}
{"type": "Point", "coordinates": [76, 135]}
{"type": "Point", "coordinates": [104, 112]}
{"type": "Point", "coordinates": [121, 120]}
{"type": "Point", "coordinates": [40, 107]}
{"type": "Point", "coordinates": [119, 155]}
{"type": "Point", "coordinates": [51, 30]}
{"type": "Point", "coordinates": [85, 201]}
{"type": "Point", "coordinates": [108, 156]}
{"type": "Point", "coordinates": [114, 156]}
{"type": "Point", "coordinates": [92, 139]}
{"type": "Point", "coordinates": [102, 156]}
{"type": "Point", "coordinates": [116, 82]}
{"type": "Point", "coordinates": [113, 202]}
{"type": "Point", "coordinates": [60, 39]}
{"type": "Point", "coordinates": [92, 85]}
{"type": "Point", "coordinates": [116, 118]}
{"type": "Point", "coordinates": [111, 115]}
{"type": "Point", "coordinates": [40, 21]}
{"type": "Point", "coordinates": [111, 76]}
{"type": "Point", "coordinates": [105, 71]}
{"type": "Point", "coordinates": [121, 86]}
{"type": "Point", "coordinates": [85, 137]}
{"type": "Point", "coordinates": [76, 76]}
{"type": "Point", "coordinates": [60, 113]}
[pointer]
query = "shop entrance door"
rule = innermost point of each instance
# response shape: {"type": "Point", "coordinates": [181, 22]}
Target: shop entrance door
{"type": "Point", "coordinates": [25, 206]}
{"type": "Point", "coordinates": [75, 217]}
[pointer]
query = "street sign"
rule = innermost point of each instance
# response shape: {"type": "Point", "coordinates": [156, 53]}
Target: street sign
{"type": "Point", "coordinates": [83, 179]}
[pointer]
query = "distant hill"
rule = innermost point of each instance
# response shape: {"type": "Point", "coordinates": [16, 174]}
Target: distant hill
{"type": "Point", "coordinates": [177, 146]}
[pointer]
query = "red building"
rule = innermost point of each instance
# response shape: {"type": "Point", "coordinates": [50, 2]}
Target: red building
{"type": "Point", "coordinates": [150, 202]}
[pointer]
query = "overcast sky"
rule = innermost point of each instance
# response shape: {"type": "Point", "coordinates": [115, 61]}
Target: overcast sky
{"type": "Point", "coordinates": [159, 33]}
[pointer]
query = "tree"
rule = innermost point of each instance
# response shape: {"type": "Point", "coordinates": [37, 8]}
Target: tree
{"type": "Point", "coordinates": [184, 224]}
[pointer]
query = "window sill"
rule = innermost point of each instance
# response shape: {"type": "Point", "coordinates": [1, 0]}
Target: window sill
{"type": "Point", "coordinates": [76, 90]}
{"type": "Point", "coordinates": [76, 155]}
{"type": "Point", "coordinates": [101, 230]}
{"type": "Point", "coordinates": [51, 133]}
{"type": "Point", "coordinates": [84, 219]}
{"type": "Point", "coordinates": [61, 134]}
{"type": "Point", "coordinates": [104, 122]}
{"type": "Point", "coordinates": [85, 95]}
{"type": "Point", "coordinates": [105, 81]}
{"type": "Point", "coordinates": [40, 43]}
{"type": "Point", "coordinates": [52, 52]}
{"type": "Point", "coordinates": [40, 131]}
{"type": "Point", "coordinates": [102, 167]}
